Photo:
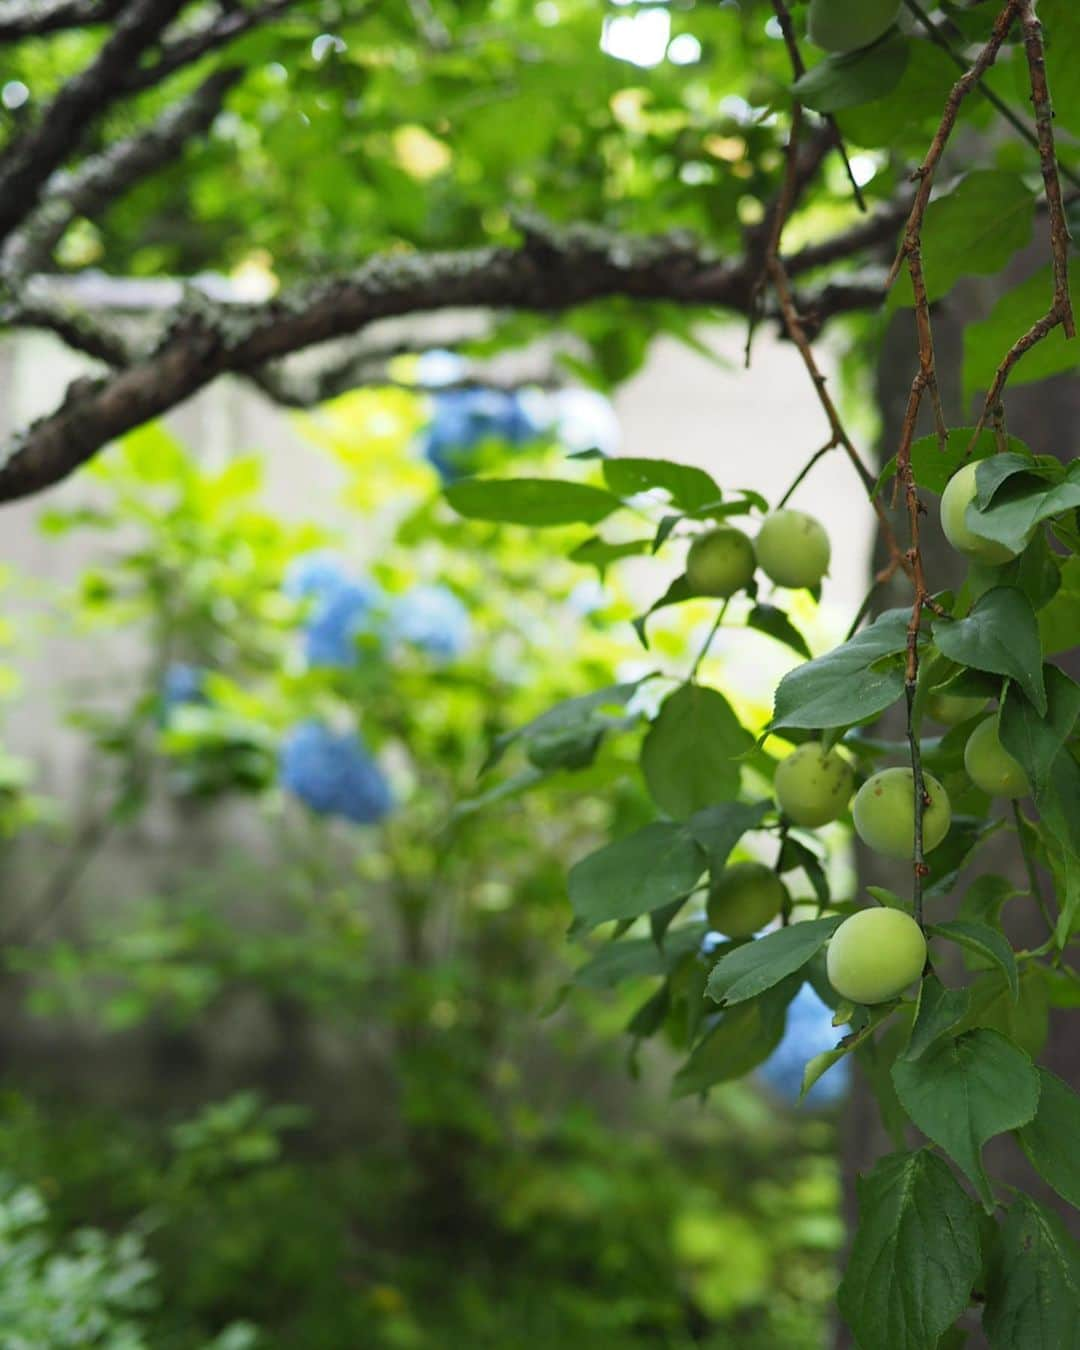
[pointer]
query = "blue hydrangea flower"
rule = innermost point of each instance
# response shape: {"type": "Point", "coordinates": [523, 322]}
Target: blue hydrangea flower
{"type": "Point", "coordinates": [334, 774]}
{"type": "Point", "coordinates": [439, 366]}
{"type": "Point", "coordinates": [183, 683]}
{"type": "Point", "coordinates": [433, 619]}
{"type": "Point", "coordinates": [315, 574]}
{"type": "Point", "coordinates": [338, 619]}
{"type": "Point", "coordinates": [343, 608]}
{"type": "Point", "coordinates": [465, 419]}
{"type": "Point", "coordinates": [809, 1032]}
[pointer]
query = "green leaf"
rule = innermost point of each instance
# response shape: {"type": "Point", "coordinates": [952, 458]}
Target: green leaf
{"type": "Point", "coordinates": [1050, 1140]}
{"type": "Point", "coordinates": [676, 594]}
{"type": "Point", "coordinates": [1001, 636]}
{"type": "Point", "coordinates": [1033, 1294]}
{"type": "Point", "coordinates": [938, 1011]}
{"type": "Point", "coordinates": [743, 1038]}
{"type": "Point", "coordinates": [1035, 738]}
{"type": "Point", "coordinates": [915, 1256]}
{"type": "Point", "coordinates": [1025, 1020]}
{"type": "Point", "coordinates": [775, 623]}
{"type": "Point", "coordinates": [573, 717]}
{"type": "Point", "coordinates": [758, 965]}
{"type": "Point", "coordinates": [896, 114]}
{"type": "Point", "coordinates": [946, 861]}
{"type": "Point", "coordinates": [632, 958]}
{"type": "Point", "coordinates": [599, 553]}
{"type": "Point", "coordinates": [986, 342]}
{"type": "Point", "coordinates": [974, 229]}
{"type": "Point", "coordinates": [984, 941]}
{"type": "Point", "coordinates": [853, 78]}
{"type": "Point", "coordinates": [1059, 621]}
{"type": "Point", "coordinates": [933, 467]}
{"type": "Point", "coordinates": [849, 684]}
{"type": "Point", "coordinates": [530, 501]}
{"type": "Point", "coordinates": [1062, 60]}
{"type": "Point", "coordinates": [821, 1064]}
{"type": "Point", "coordinates": [964, 1090]}
{"type": "Point", "coordinates": [719, 828]}
{"type": "Point", "coordinates": [633, 875]}
{"type": "Point", "coordinates": [690, 757]}
{"type": "Point", "coordinates": [688, 487]}
{"type": "Point", "coordinates": [1021, 503]}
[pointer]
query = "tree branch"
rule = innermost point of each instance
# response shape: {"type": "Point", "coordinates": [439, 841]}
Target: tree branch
{"type": "Point", "coordinates": [185, 51]}
{"type": "Point", "coordinates": [551, 272]}
{"type": "Point", "coordinates": [96, 184]}
{"type": "Point", "coordinates": [32, 18]}
{"type": "Point", "coordinates": [33, 157]}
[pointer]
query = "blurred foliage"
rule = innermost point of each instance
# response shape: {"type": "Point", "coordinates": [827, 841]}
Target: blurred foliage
{"type": "Point", "coordinates": [367, 993]}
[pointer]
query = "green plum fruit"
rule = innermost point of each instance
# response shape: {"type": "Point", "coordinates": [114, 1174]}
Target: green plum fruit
{"type": "Point", "coordinates": [990, 766]}
{"type": "Point", "coordinates": [952, 709]}
{"type": "Point", "coordinates": [745, 897]}
{"type": "Point", "coordinates": [813, 786]}
{"type": "Point", "coordinates": [958, 495]}
{"type": "Point", "coordinates": [792, 549]}
{"type": "Point", "coordinates": [875, 955]}
{"type": "Point", "coordinates": [844, 25]}
{"type": "Point", "coordinates": [720, 562]}
{"type": "Point", "coordinates": [884, 813]}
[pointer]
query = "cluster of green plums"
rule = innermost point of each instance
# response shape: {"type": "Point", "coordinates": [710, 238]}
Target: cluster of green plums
{"type": "Point", "coordinates": [877, 953]}
{"type": "Point", "coordinates": [791, 548]}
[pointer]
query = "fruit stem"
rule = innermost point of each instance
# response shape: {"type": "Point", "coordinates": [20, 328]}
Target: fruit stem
{"type": "Point", "coordinates": [717, 622]}
{"type": "Point", "coordinates": [785, 911]}
{"type": "Point", "coordinates": [918, 784]}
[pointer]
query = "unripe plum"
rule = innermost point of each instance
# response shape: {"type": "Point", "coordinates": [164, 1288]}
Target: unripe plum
{"type": "Point", "coordinates": [958, 495]}
{"type": "Point", "coordinates": [874, 955]}
{"type": "Point", "coordinates": [884, 813]}
{"type": "Point", "coordinates": [813, 786]}
{"type": "Point", "coordinates": [720, 562]}
{"type": "Point", "coordinates": [792, 549]}
{"type": "Point", "coordinates": [990, 766]}
{"type": "Point", "coordinates": [745, 897]}
{"type": "Point", "coordinates": [952, 709]}
{"type": "Point", "coordinates": [844, 25]}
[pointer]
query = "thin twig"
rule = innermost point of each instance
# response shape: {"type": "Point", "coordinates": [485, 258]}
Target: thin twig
{"type": "Point", "coordinates": [924, 174]}
{"type": "Point", "coordinates": [717, 622]}
{"type": "Point", "coordinates": [1060, 311]}
{"type": "Point", "coordinates": [830, 444]}
{"type": "Point", "coordinates": [1014, 120]}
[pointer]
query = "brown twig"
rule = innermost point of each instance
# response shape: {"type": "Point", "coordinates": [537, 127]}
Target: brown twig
{"type": "Point", "coordinates": [924, 174]}
{"type": "Point", "coordinates": [1060, 311]}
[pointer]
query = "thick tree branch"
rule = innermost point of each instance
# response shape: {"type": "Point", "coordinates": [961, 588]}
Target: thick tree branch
{"type": "Point", "coordinates": [33, 157]}
{"type": "Point", "coordinates": [73, 327]}
{"type": "Point", "coordinates": [551, 272]}
{"type": "Point", "coordinates": [32, 18]}
{"type": "Point", "coordinates": [97, 183]}
{"type": "Point", "coordinates": [192, 47]}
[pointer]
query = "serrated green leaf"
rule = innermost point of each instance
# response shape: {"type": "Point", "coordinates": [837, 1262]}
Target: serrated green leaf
{"type": "Point", "coordinates": [973, 229]}
{"type": "Point", "coordinates": [1001, 636]}
{"type": "Point", "coordinates": [599, 553]}
{"type": "Point", "coordinates": [1050, 1140]}
{"type": "Point", "coordinates": [849, 684]}
{"type": "Point", "coordinates": [963, 1091]}
{"type": "Point", "coordinates": [821, 1064]}
{"type": "Point", "coordinates": [1036, 738]}
{"type": "Point", "coordinates": [985, 941]}
{"type": "Point", "coordinates": [690, 756]}
{"type": "Point", "coordinates": [1021, 503]}
{"type": "Point", "coordinates": [638, 873]}
{"type": "Point", "coordinates": [915, 1256]}
{"type": "Point", "coordinates": [719, 828]}
{"type": "Point", "coordinates": [676, 594]}
{"type": "Point", "coordinates": [938, 1011]}
{"type": "Point", "coordinates": [757, 965]}
{"type": "Point", "coordinates": [1034, 1290]}
{"type": "Point", "coordinates": [574, 716]}
{"type": "Point", "coordinates": [1018, 308]}
{"type": "Point", "coordinates": [539, 502]}
{"type": "Point", "coordinates": [630, 958]}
